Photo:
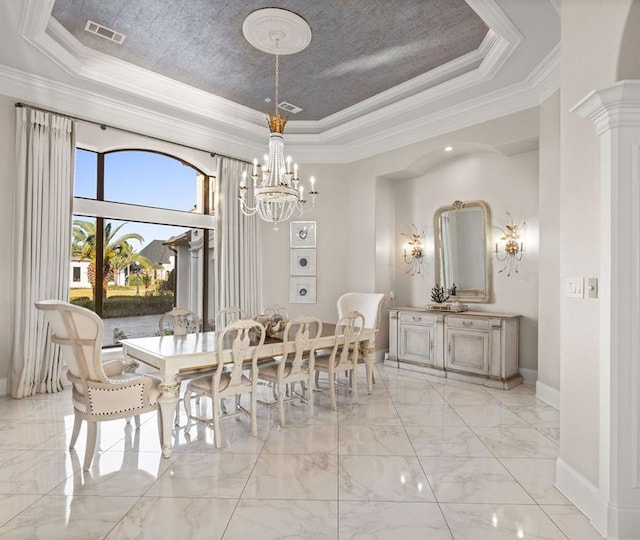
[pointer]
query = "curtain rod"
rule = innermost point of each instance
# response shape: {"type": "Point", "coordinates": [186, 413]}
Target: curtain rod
{"type": "Point", "coordinates": [124, 130]}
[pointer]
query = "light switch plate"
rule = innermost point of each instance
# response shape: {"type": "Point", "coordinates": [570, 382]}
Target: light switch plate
{"type": "Point", "coordinates": [574, 287]}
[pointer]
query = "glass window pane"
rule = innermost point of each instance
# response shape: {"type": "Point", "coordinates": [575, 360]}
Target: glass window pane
{"type": "Point", "coordinates": [86, 183]}
{"type": "Point", "coordinates": [151, 179]}
{"type": "Point", "coordinates": [151, 270]}
{"type": "Point", "coordinates": [82, 270]}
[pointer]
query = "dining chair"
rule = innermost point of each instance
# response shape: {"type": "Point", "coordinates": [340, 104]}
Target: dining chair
{"type": "Point", "coordinates": [296, 365]}
{"type": "Point", "coordinates": [276, 311]}
{"type": "Point", "coordinates": [369, 304]}
{"type": "Point", "coordinates": [179, 322]}
{"type": "Point", "coordinates": [100, 391]}
{"type": "Point", "coordinates": [227, 315]}
{"type": "Point", "coordinates": [233, 347]}
{"type": "Point", "coordinates": [343, 356]}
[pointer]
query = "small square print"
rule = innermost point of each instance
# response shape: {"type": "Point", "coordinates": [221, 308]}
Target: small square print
{"type": "Point", "coordinates": [303, 234]}
{"type": "Point", "coordinates": [302, 290]}
{"type": "Point", "coordinates": [302, 262]}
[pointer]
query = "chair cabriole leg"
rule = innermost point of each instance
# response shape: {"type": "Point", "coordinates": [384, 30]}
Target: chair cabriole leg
{"type": "Point", "coordinates": [77, 424]}
{"type": "Point", "coordinates": [92, 434]}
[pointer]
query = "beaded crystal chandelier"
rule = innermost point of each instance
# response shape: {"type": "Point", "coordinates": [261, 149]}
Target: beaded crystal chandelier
{"type": "Point", "coordinates": [275, 192]}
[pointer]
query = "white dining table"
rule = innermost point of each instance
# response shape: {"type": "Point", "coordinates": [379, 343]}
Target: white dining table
{"type": "Point", "coordinates": [174, 354]}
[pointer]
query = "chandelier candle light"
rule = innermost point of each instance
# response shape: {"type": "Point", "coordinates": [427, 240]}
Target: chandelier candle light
{"type": "Point", "coordinates": [276, 193]}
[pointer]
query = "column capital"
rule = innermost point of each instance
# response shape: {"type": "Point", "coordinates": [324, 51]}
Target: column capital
{"type": "Point", "coordinates": [614, 107]}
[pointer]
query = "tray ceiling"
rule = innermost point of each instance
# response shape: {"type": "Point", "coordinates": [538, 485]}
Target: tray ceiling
{"type": "Point", "coordinates": [359, 48]}
{"type": "Point", "coordinates": [362, 94]}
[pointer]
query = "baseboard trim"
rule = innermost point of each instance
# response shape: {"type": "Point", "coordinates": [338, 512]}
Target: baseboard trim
{"type": "Point", "coordinates": [548, 394]}
{"type": "Point", "coordinates": [380, 354]}
{"type": "Point", "coordinates": [530, 376]}
{"type": "Point", "coordinates": [582, 493]}
{"type": "Point", "coordinates": [3, 387]}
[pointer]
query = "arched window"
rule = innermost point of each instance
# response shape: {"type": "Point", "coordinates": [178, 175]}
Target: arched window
{"type": "Point", "coordinates": [141, 226]}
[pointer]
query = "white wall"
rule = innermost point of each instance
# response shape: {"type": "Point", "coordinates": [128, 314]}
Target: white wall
{"type": "Point", "coordinates": [505, 184]}
{"type": "Point", "coordinates": [386, 235]}
{"type": "Point", "coordinates": [549, 283]}
{"type": "Point", "coordinates": [356, 206]}
{"type": "Point", "coordinates": [337, 240]}
{"type": "Point", "coordinates": [589, 61]}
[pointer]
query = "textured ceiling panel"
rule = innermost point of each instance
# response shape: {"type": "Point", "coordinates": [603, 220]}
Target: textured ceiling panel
{"type": "Point", "coordinates": [359, 47]}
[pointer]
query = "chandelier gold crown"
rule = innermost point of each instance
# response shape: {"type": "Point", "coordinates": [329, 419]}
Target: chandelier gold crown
{"type": "Point", "coordinates": [277, 122]}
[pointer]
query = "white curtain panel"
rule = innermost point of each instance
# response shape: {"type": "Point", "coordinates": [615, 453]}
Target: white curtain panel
{"type": "Point", "coordinates": [236, 243]}
{"type": "Point", "coordinates": [45, 160]}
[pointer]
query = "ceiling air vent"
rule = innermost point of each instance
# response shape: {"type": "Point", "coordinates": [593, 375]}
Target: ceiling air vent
{"type": "Point", "coordinates": [105, 32]}
{"type": "Point", "coordinates": [289, 107]}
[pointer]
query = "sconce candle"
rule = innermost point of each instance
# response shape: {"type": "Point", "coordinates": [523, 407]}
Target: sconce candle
{"type": "Point", "coordinates": [416, 252]}
{"type": "Point", "coordinates": [512, 253]}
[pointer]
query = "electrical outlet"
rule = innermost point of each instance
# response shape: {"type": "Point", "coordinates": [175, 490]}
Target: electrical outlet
{"type": "Point", "coordinates": [574, 287]}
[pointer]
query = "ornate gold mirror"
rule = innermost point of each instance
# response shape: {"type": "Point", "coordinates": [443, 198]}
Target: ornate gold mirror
{"type": "Point", "coordinates": [463, 252]}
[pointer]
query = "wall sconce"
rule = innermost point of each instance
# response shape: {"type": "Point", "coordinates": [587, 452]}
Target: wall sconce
{"type": "Point", "coordinates": [413, 251]}
{"type": "Point", "coordinates": [513, 248]}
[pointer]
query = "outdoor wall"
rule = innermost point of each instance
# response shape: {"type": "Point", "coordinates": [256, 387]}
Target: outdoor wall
{"type": "Point", "coordinates": [506, 184]}
{"type": "Point", "coordinates": [549, 283]}
{"type": "Point", "coordinates": [7, 182]}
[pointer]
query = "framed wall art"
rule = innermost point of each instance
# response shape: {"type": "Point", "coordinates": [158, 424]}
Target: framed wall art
{"type": "Point", "coordinates": [302, 262]}
{"type": "Point", "coordinates": [302, 234]}
{"type": "Point", "coordinates": [302, 290]}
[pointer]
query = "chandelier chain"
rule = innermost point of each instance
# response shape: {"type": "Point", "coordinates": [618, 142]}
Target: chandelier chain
{"type": "Point", "coordinates": [277, 76]}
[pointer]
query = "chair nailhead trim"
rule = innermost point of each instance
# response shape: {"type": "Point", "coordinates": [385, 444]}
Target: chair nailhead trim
{"type": "Point", "coordinates": [98, 390]}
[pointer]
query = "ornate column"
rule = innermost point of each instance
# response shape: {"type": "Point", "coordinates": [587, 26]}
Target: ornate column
{"type": "Point", "coordinates": [615, 112]}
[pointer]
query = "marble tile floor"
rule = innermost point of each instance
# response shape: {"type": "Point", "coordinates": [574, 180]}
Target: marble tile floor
{"type": "Point", "coordinates": [422, 457]}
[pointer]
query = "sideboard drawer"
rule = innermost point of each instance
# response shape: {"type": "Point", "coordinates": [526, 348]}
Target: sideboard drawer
{"type": "Point", "coordinates": [468, 323]}
{"type": "Point", "coordinates": [415, 318]}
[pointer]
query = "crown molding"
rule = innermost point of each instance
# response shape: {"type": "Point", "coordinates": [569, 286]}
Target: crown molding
{"type": "Point", "coordinates": [545, 77]}
{"type": "Point", "coordinates": [509, 35]}
{"type": "Point", "coordinates": [70, 100]}
{"type": "Point", "coordinates": [96, 107]}
{"type": "Point", "coordinates": [516, 98]}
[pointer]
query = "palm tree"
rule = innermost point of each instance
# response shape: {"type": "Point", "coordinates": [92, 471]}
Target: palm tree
{"type": "Point", "coordinates": [117, 251]}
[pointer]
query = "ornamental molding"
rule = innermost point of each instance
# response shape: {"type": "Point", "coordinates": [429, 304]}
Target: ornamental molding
{"type": "Point", "coordinates": [614, 107]}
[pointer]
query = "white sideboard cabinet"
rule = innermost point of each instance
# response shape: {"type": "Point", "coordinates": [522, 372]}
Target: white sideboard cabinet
{"type": "Point", "coordinates": [478, 347]}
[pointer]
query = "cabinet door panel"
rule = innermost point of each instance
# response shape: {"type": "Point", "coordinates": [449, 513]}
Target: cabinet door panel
{"type": "Point", "coordinates": [468, 350]}
{"type": "Point", "coordinates": [416, 343]}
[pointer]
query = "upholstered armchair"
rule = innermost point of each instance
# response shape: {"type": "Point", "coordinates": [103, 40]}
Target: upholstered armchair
{"type": "Point", "coordinates": [100, 391]}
